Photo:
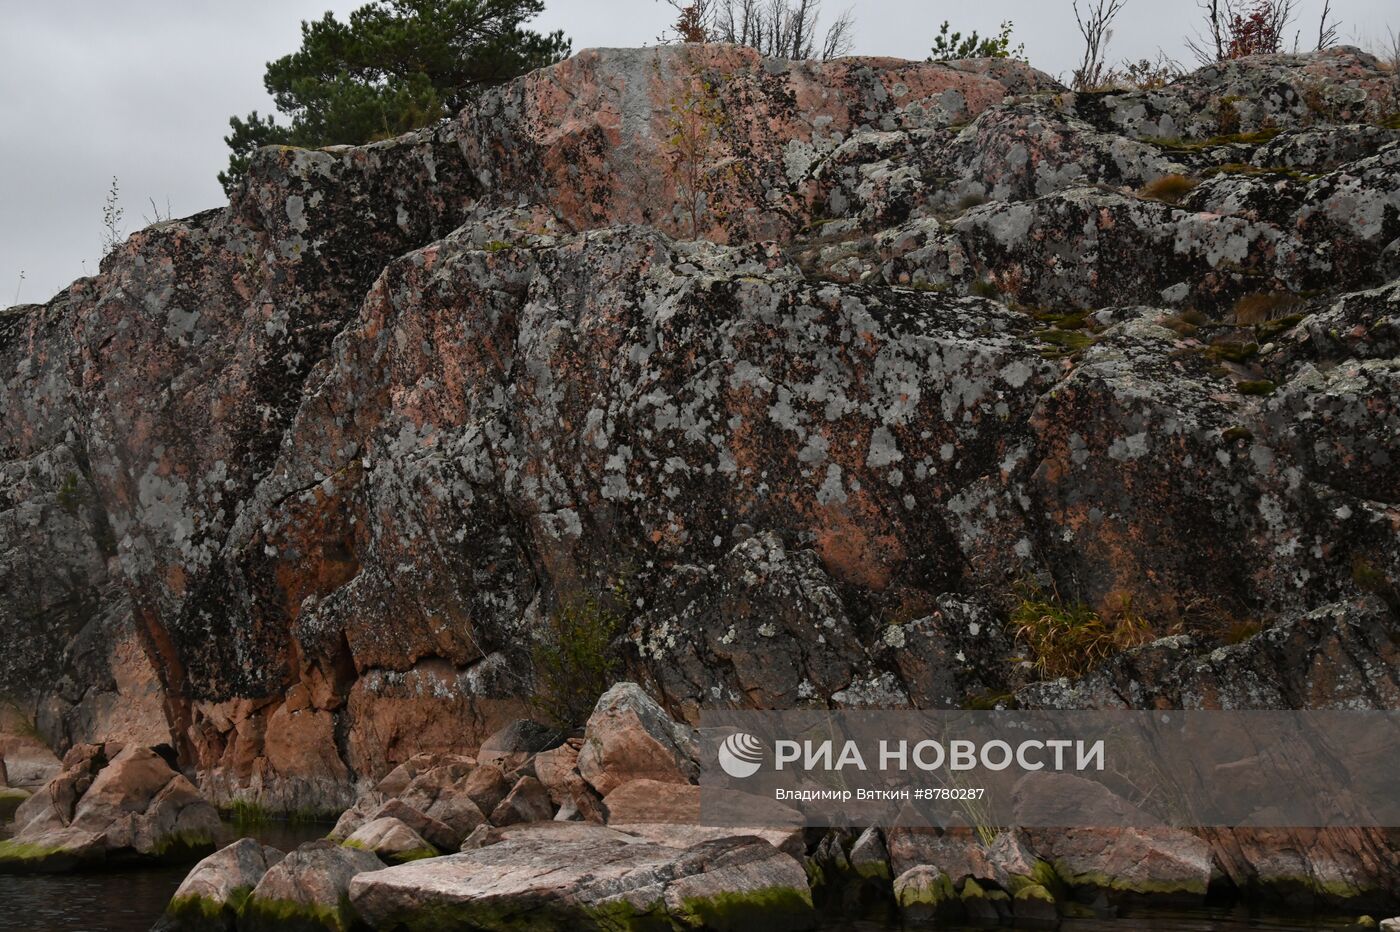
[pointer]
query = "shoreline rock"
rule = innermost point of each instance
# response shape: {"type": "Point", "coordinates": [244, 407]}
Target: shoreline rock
{"type": "Point", "coordinates": [213, 894]}
{"type": "Point", "coordinates": [308, 889]}
{"type": "Point", "coordinates": [110, 804]}
{"type": "Point", "coordinates": [654, 862]}
{"type": "Point", "coordinates": [592, 877]}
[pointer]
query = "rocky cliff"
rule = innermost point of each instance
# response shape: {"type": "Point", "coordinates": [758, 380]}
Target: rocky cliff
{"type": "Point", "coordinates": [824, 365]}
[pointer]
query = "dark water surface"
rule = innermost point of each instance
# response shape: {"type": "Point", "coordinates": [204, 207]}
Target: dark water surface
{"type": "Point", "coordinates": [132, 900]}
{"type": "Point", "coordinates": [118, 901]}
{"type": "Point", "coordinates": [1194, 920]}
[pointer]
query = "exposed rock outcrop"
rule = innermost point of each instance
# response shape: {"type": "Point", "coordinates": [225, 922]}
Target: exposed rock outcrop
{"type": "Point", "coordinates": [295, 487]}
{"type": "Point", "coordinates": [538, 865]}
{"type": "Point", "coordinates": [591, 877]}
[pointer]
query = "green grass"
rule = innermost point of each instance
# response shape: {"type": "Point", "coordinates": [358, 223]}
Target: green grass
{"type": "Point", "coordinates": [1369, 579]}
{"type": "Point", "coordinates": [1256, 387]}
{"type": "Point", "coordinates": [985, 702]}
{"type": "Point", "coordinates": [982, 288]}
{"type": "Point", "coordinates": [573, 659]}
{"type": "Point", "coordinates": [250, 814]}
{"type": "Point", "coordinates": [969, 201]}
{"type": "Point", "coordinates": [247, 813]}
{"type": "Point", "coordinates": [1068, 638]}
{"type": "Point", "coordinates": [70, 496]}
{"type": "Point", "coordinates": [1274, 328]}
{"type": "Point", "coordinates": [1064, 320]}
{"type": "Point", "coordinates": [1059, 344]}
{"type": "Point", "coordinates": [194, 909]}
{"type": "Point", "coordinates": [17, 722]}
{"type": "Point", "coordinates": [1244, 168]}
{"type": "Point", "coordinates": [1256, 138]}
{"type": "Point", "coordinates": [1229, 351]}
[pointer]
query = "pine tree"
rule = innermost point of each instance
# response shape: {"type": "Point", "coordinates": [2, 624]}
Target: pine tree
{"type": "Point", "coordinates": [397, 65]}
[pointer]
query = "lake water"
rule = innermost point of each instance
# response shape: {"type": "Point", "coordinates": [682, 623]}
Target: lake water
{"type": "Point", "coordinates": [120, 901]}
{"type": "Point", "coordinates": [1197, 920]}
{"type": "Point", "coordinates": [132, 900]}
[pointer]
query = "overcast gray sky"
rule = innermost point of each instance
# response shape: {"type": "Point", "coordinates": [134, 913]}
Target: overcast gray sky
{"type": "Point", "coordinates": [143, 89]}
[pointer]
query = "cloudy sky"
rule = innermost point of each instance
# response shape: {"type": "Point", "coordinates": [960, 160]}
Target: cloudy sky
{"type": "Point", "coordinates": [143, 89]}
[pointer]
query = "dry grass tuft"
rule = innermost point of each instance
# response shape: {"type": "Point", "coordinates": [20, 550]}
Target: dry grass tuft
{"type": "Point", "coordinates": [1262, 307]}
{"type": "Point", "coordinates": [1070, 638]}
{"type": "Point", "coordinates": [1169, 189]}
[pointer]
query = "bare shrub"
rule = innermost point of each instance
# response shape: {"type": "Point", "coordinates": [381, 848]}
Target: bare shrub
{"type": "Point", "coordinates": [776, 28]}
{"type": "Point", "coordinates": [112, 214]}
{"type": "Point", "coordinates": [1236, 28]}
{"type": "Point", "coordinates": [1096, 27]}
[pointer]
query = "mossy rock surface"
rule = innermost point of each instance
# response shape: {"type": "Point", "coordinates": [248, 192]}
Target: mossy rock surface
{"type": "Point", "coordinates": [775, 909]}
{"type": "Point", "coordinates": [21, 857]}
{"type": "Point", "coordinates": [193, 913]}
{"type": "Point", "coordinates": [1035, 904]}
{"type": "Point", "coordinates": [1308, 891]}
{"type": "Point", "coordinates": [395, 857]}
{"type": "Point", "coordinates": [288, 916]}
{"type": "Point", "coordinates": [1035, 891]}
{"type": "Point", "coordinates": [183, 847]}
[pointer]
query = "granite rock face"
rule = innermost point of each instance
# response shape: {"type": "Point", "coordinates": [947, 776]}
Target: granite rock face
{"type": "Point", "coordinates": [295, 487]}
{"type": "Point", "coordinates": [591, 877]}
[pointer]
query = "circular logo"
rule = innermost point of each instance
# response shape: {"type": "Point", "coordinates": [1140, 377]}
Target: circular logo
{"type": "Point", "coordinates": [741, 755]}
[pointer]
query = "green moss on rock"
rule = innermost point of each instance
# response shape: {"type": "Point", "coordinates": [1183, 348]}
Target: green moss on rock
{"type": "Point", "coordinates": [21, 857]}
{"type": "Point", "coordinates": [1335, 891]}
{"type": "Point", "coordinates": [1035, 891]}
{"type": "Point", "coordinates": [771, 909]}
{"type": "Point", "coordinates": [396, 857]}
{"type": "Point", "coordinates": [20, 852]}
{"type": "Point", "coordinates": [288, 916]}
{"type": "Point", "coordinates": [874, 870]}
{"type": "Point", "coordinates": [207, 909]}
{"type": "Point", "coordinates": [940, 891]}
{"type": "Point", "coordinates": [413, 854]}
{"type": "Point", "coordinates": [972, 890]}
{"type": "Point", "coordinates": [184, 845]}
